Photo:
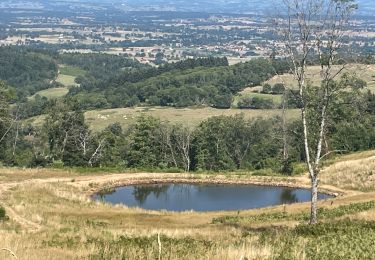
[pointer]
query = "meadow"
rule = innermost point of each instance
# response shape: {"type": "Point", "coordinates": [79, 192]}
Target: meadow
{"type": "Point", "coordinates": [100, 119]}
{"type": "Point", "coordinates": [52, 93]}
{"type": "Point", "coordinates": [51, 216]}
{"type": "Point", "coordinates": [362, 71]}
{"type": "Point", "coordinates": [66, 77]}
{"type": "Point", "coordinates": [68, 74]}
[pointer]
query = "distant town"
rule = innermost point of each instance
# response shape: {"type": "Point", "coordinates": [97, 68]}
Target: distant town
{"type": "Point", "coordinates": [153, 37]}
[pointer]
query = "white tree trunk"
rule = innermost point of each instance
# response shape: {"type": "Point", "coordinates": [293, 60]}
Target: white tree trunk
{"type": "Point", "coordinates": [314, 200]}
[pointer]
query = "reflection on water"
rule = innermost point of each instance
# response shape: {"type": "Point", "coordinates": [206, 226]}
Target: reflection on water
{"type": "Point", "coordinates": [181, 197]}
{"type": "Point", "coordinates": [287, 196]}
{"type": "Point", "coordinates": [141, 193]}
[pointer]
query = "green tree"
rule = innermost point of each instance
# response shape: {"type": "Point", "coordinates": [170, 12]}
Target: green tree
{"type": "Point", "coordinates": [144, 144]}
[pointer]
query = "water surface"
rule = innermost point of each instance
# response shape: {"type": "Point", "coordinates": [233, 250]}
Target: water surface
{"type": "Point", "coordinates": [207, 197]}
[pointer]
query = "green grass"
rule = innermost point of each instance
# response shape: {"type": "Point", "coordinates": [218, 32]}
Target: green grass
{"type": "Point", "coordinates": [99, 119]}
{"type": "Point", "coordinates": [66, 80]}
{"type": "Point", "coordinates": [344, 239]}
{"type": "Point", "coordinates": [68, 74]}
{"type": "Point", "coordinates": [52, 93]}
{"type": "Point", "coordinates": [324, 213]}
{"type": "Point", "coordinates": [191, 117]}
{"type": "Point", "coordinates": [71, 71]}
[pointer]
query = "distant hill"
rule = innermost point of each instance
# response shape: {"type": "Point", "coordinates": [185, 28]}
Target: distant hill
{"type": "Point", "coordinates": [227, 6]}
{"type": "Point", "coordinates": [366, 7]}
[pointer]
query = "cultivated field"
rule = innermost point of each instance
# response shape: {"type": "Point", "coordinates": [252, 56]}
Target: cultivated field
{"type": "Point", "coordinates": [51, 216]}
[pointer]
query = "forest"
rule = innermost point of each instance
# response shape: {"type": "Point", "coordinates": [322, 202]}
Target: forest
{"type": "Point", "coordinates": [217, 144]}
{"type": "Point", "coordinates": [224, 143]}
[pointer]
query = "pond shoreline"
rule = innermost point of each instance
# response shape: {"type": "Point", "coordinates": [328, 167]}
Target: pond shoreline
{"type": "Point", "coordinates": [218, 180]}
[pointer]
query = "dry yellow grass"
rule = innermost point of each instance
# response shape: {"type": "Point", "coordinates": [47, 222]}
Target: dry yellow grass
{"type": "Point", "coordinates": [364, 72]}
{"type": "Point", "coordinates": [353, 174]}
{"type": "Point", "coordinates": [52, 217]}
{"type": "Point", "coordinates": [99, 119]}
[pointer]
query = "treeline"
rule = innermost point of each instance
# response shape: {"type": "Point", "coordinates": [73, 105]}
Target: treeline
{"type": "Point", "coordinates": [217, 144]}
{"type": "Point", "coordinates": [208, 82]}
{"type": "Point", "coordinates": [99, 66]}
{"type": "Point", "coordinates": [110, 81]}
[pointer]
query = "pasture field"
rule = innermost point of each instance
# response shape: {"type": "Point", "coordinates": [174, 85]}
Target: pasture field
{"type": "Point", "coordinates": [66, 80]}
{"type": "Point", "coordinates": [52, 93]}
{"type": "Point", "coordinates": [100, 119]}
{"type": "Point", "coordinates": [68, 74]}
{"type": "Point", "coordinates": [71, 71]}
{"type": "Point", "coordinates": [362, 71]}
{"type": "Point", "coordinates": [51, 216]}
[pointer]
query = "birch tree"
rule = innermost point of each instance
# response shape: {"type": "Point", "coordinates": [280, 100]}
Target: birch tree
{"type": "Point", "coordinates": [312, 32]}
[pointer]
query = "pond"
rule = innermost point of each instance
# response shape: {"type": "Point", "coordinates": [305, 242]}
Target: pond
{"type": "Point", "coordinates": [207, 197]}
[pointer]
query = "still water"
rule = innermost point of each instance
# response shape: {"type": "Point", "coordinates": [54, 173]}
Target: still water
{"type": "Point", "coordinates": [207, 197]}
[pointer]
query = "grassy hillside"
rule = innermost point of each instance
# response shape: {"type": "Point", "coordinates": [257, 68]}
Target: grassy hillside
{"type": "Point", "coordinates": [52, 93]}
{"type": "Point", "coordinates": [99, 119]}
{"type": "Point", "coordinates": [52, 217]}
{"type": "Point", "coordinates": [68, 74]}
{"type": "Point", "coordinates": [364, 72]}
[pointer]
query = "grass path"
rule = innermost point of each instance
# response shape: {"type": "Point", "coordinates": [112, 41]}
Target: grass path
{"type": "Point", "coordinates": [89, 184]}
{"type": "Point", "coordinates": [51, 214]}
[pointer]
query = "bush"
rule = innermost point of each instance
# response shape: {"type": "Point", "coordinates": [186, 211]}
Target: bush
{"type": "Point", "coordinates": [287, 167]}
{"type": "Point", "coordinates": [3, 215]}
{"type": "Point", "coordinates": [255, 103]}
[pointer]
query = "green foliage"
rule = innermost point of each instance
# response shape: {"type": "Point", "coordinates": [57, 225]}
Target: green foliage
{"type": "Point", "coordinates": [144, 145]}
{"type": "Point", "coordinates": [176, 248]}
{"type": "Point", "coordinates": [209, 82]}
{"type": "Point", "coordinates": [353, 127]}
{"type": "Point", "coordinates": [26, 70]}
{"type": "Point", "coordinates": [3, 215]}
{"type": "Point", "coordinates": [228, 143]}
{"type": "Point", "coordinates": [324, 213]}
{"type": "Point", "coordinates": [102, 66]}
{"type": "Point", "coordinates": [255, 103]}
{"type": "Point", "coordinates": [287, 167]}
{"type": "Point", "coordinates": [334, 240]}
{"type": "Point", "coordinates": [115, 147]}
{"type": "Point", "coordinates": [69, 138]}
{"type": "Point", "coordinates": [278, 88]}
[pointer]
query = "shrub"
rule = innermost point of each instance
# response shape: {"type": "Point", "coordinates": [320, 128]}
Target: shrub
{"type": "Point", "coordinates": [255, 103]}
{"type": "Point", "coordinates": [3, 215]}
